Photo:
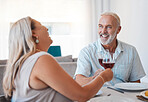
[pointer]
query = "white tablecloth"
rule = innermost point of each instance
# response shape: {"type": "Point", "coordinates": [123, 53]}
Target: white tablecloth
{"type": "Point", "coordinates": [115, 96]}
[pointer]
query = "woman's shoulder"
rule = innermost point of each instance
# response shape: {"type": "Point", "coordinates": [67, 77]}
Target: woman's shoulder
{"type": "Point", "coordinates": [39, 55]}
{"type": "Point", "coordinates": [44, 57]}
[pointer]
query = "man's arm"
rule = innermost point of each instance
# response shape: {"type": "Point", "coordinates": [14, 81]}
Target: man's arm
{"type": "Point", "coordinates": [137, 71]}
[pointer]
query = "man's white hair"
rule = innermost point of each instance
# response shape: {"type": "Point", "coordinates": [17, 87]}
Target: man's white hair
{"type": "Point", "coordinates": [112, 14]}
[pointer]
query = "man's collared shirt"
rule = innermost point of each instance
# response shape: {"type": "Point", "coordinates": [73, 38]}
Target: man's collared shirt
{"type": "Point", "coordinates": [127, 65]}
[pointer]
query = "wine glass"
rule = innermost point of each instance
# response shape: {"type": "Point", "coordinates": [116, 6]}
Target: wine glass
{"type": "Point", "coordinates": [108, 60]}
{"type": "Point", "coordinates": [100, 58]}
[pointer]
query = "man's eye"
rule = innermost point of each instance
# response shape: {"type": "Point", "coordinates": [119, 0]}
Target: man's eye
{"type": "Point", "coordinates": [109, 27]}
{"type": "Point", "coordinates": [100, 26]}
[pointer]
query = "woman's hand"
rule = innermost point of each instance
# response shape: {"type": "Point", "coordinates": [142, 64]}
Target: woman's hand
{"type": "Point", "coordinates": [99, 71]}
{"type": "Point", "coordinates": [107, 74]}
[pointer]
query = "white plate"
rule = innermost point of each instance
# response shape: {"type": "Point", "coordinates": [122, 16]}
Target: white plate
{"type": "Point", "coordinates": [131, 86]}
{"type": "Point", "coordinates": [143, 94]}
{"type": "Point", "coordinates": [111, 99]}
{"type": "Point", "coordinates": [99, 92]}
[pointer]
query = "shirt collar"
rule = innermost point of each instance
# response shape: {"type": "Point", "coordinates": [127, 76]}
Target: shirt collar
{"type": "Point", "coordinates": [119, 47]}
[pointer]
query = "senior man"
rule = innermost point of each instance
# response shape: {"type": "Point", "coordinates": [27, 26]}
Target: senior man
{"type": "Point", "coordinates": [127, 67]}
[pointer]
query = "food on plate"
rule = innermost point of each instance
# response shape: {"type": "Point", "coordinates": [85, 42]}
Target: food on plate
{"type": "Point", "coordinates": [146, 93]}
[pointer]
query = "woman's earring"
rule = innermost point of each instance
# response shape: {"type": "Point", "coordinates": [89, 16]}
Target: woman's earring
{"type": "Point", "coordinates": [37, 40]}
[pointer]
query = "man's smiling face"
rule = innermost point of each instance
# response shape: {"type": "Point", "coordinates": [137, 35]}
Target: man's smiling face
{"type": "Point", "coordinates": [107, 29]}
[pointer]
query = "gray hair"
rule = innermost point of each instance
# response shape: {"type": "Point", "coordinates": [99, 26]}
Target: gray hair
{"type": "Point", "coordinates": [21, 46]}
{"type": "Point", "coordinates": [112, 14]}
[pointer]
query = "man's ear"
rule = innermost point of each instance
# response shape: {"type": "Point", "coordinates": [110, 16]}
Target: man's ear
{"type": "Point", "coordinates": [119, 28]}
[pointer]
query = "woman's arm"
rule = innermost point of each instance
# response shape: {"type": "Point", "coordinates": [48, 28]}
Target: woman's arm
{"type": "Point", "coordinates": [82, 80]}
{"type": "Point", "coordinates": [50, 72]}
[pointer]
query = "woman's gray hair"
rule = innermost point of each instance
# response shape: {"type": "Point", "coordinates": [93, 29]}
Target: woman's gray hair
{"type": "Point", "coordinates": [21, 46]}
{"type": "Point", "coordinates": [112, 14]}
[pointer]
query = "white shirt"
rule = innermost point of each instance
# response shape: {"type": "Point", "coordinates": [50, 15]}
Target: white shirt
{"type": "Point", "coordinates": [127, 66]}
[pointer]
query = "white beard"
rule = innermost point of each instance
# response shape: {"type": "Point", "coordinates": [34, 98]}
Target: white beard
{"type": "Point", "coordinates": [110, 39]}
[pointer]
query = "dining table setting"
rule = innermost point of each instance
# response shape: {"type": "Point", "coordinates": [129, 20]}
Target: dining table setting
{"type": "Point", "coordinates": [119, 92]}
{"type": "Point", "coordinates": [122, 92]}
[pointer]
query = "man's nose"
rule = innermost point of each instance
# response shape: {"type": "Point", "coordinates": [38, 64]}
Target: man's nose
{"type": "Point", "coordinates": [104, 30]}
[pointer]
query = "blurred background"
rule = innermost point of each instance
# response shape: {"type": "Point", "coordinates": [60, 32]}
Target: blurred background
{"type": "Point", "coordinates": [72, 24]}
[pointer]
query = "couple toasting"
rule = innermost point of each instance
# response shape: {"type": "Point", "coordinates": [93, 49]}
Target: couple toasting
{"type": "Point", "coordinates": [33, 75]}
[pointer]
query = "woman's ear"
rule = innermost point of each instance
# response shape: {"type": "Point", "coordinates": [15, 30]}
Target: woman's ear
{"type": "Point", "coordinates": [33, 32]}
{"type": "Point", "coordinates": [34, 35]}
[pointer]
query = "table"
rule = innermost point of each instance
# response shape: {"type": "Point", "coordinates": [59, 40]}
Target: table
{"type": "Point", "coordinates": [110, 95]}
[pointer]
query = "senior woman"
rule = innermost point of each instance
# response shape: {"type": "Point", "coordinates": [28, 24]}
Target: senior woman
{"type": "Point", "coordinates": [34, 75]}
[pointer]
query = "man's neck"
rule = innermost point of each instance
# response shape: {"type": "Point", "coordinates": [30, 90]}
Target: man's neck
{"type": "Point", "coordinates": [111, 47]}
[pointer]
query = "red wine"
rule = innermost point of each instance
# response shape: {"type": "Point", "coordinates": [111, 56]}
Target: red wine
{"type": "Point", "coordinates": [108, 65]}
{"type": "Point", "coordinates": [100, 61]}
